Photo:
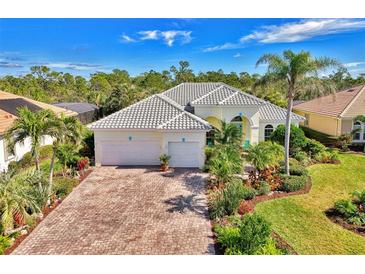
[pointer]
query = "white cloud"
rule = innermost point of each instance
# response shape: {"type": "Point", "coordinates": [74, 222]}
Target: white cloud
{"type": "Point", "coordinates": [223, 46]}
{"type": "Point", "coordinates": [149, 34]}
{"type": "Point", "coordinates": [237, 55]}
{"type": "Point", "coordinates": [353, 64]}
{"type": "Point", "coordinates": [127, 39]}
{"type": "Point", "coordinates": [73, 66]}
{"type": "Point", "coordinates": [303, 30]}
{"type": "Point", "coordinates": [170, 36]}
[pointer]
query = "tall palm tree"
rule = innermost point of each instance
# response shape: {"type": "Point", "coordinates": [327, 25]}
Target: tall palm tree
{"type": "Point", "coordinates": [227, 134]}
{"type": "Point", "coordinates": [63, 129]}
{"type": "Point", "coordinates": [31, 125]}
{"type": "Point", "coordinates": [299, 72]}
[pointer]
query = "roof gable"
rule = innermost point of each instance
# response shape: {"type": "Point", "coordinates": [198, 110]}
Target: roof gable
{"type": "Point", "coordinates": [331, 105]}
{"type": "Point", "coordinates": [155, 112]}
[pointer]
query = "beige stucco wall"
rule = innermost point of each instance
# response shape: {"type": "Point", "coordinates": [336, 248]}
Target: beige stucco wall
{"type": "Point", "coordinates": [325, 124]}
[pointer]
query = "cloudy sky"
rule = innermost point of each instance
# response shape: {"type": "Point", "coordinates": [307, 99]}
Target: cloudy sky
{"type": "Point", "coordinates": [84, 46]}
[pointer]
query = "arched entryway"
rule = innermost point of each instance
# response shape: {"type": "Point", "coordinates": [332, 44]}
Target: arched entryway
{"type": "Point", "coordinates": [242, 123]}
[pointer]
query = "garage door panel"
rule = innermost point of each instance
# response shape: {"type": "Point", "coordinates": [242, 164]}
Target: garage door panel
{"type": "Point", "coordinates": [184, 154]}
{"type": "Point", "coordinates": [131, 153]}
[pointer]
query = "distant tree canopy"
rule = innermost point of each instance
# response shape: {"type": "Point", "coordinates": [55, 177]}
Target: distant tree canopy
{"type": "Point", "coordinates": [118, 89]}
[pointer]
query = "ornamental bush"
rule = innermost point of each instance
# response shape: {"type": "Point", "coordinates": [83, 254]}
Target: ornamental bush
{"type": "Point", "coordinates": [297, 137]}
{"type": "Point", "coordinates": [293, 183]}
{"type": "Point", "coordinates": [245, 235]}
{"type": "Point", "coordinates": [62, 186]}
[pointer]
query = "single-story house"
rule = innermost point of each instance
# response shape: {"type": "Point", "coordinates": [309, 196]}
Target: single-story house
{"type": "Point", "coordinates": [176, 122]}
{"type": "Point", "coordinates": [334, 114]}
{"type": "Point", "coordinates": [86, 112]}
{"type": "Point", "coordinates": [9, 103]}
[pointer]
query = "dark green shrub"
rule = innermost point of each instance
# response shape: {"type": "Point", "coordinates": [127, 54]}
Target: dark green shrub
{"type": "Point", "coordinates": [293, 183]}
{"type": "Point", "coordinates": [296, 170]}
{"type": "Point", "coordinates": [346, 208]}
{"type": "Point", "coordinates": [313, 147]}
{"type": "Point", "coordinates": [264, 188]}
{"type": "Point", "coordinates": [297, 137]}
{"type": "Point", "coordinates": [5, 242]}
{"type": "Point", "coordinates": [246, 235]}
{"type": "Point", "coordinates": [328, 157]}
{"type": "Point", "coordinates": [62, 186]}
{"type": "Point", "coordinates": [227, 200]}
{"type": "Point", "coordinates": [13, 166]}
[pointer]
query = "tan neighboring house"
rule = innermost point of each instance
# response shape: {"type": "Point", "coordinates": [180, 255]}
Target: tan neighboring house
{"type": "Point", "coordinates": [334, 114]}
{"type": "Point", "coordinates": [9, 103]}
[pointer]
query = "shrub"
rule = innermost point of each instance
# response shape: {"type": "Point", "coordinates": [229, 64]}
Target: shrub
{"type": "Point", "coordinates": [297, 137]}
{"type": "Point", "coordinates": [357, 219]}
{"type": "Point", "coordinates": [346, 208]}
{"type": "Point", "coordinates": [344, 141]}
{"type": "Point", "coordinates": [45, 152]}
{"type": "Point", "coordinates": [5, 242]}
{"type": "Point", "coordinates": [269, 249]}
{"type": "Point", "coordinates": [227, 200]}
{"type": "Point", "coordinates": [246, 235]}
{"type": "Point", "coordinates": [13, 166]}
{"type": "Point", "coordinates": [360, 197]}
{"type": "Point", "coordinates": [293, 183]}
{"type": "Point", "coordinates": [62, 186]}
{"type": "Point", "coordinates": [313, 147]}
{"type": "Point", "coordinates": [265, 154]}
{"type": "Point", "coordinates": [225, 162]}
{"type": "Point", "coordinates": [83, 163]}
{"type": "Point", "coordinates": [328, 156]}
{"type": "Point", "coordinates": [302, 158]}
{"type": "Point", "coordinates": [296, 170]}
{"type": "Point", "coordinates": [263, 188]}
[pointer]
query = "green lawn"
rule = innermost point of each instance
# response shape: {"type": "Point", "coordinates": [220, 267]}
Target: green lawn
{"type": "Point", "coordinates": [301, 219]}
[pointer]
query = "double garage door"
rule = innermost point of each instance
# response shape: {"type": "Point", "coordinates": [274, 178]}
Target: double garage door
{"type": "Point", "coordinates": [183, 154]}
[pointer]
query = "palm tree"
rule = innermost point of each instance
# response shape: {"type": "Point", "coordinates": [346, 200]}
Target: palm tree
{"type": "Point", "coordinates": [31, 125]}
{"type": "Point", "coordinates": [63, 130]}
{"type": "Point", "coordinates": [227, 134]}
{"type": "Point", "coordinates": [18, 200]}
{"type": "Point", "coordinates": [299, 72]}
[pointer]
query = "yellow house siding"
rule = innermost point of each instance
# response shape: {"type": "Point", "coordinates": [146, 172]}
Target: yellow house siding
{"type": "Point", "coordinates": [357, 107]}
{"type": "Point", "coordinates": [325, 124]}
{"type": "Point", "coordinates": [346, 126]}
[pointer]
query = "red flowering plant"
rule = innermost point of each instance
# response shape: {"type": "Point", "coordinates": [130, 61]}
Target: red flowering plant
{"type": "Point", "coordinates": [82, 164]}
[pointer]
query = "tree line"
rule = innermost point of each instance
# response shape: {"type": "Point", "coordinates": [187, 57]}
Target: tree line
{"type": "Point", "coordinates": [118, 89]}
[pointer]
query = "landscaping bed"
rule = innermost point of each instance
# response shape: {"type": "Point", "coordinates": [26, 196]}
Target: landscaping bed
{"type": "Point", "coordinates": [334, 217]}
{"type": "Point", "coordinates": [46, 211]}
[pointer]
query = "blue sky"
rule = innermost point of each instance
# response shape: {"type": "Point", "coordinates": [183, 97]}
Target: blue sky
{"type": "Point", "coordinates": [84, 46]}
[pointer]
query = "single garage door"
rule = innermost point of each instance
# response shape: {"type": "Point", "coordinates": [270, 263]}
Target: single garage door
{"type": "Point", "coordinates": [184, 154]}
{"type": "Point", "coordinates": [130, 153]}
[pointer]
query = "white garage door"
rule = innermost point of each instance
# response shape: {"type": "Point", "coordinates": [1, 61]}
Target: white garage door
{"type": "Point", "coordinates": [184, 154]}
{"type": "Point", "coordinates": [130, 153]}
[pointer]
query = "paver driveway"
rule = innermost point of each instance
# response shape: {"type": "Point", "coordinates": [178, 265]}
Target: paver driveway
{"type": "Point", "coordinates": [128, 211]}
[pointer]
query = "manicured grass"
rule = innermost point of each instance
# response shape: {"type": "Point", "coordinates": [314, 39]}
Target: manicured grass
{"type": "Point", "coordinates": [301, 221]}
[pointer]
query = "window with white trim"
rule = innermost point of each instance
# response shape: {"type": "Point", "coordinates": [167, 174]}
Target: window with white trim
{"type": "Point", "coordinates": [269, 129]}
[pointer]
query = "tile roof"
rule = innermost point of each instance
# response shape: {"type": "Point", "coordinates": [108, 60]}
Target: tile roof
{"type": "Point", "coordinates": [333, 104]}
{"type": "Point", "coordinates": [272, 112]}
{"type": "Point", "coordinates": [155, 112]}
{"type": "Point", "coordinates": [77, 107]}
{"type": "Point", "coordinates": [188, 92]}
{"type": "Point", "coordinates": [210, 94]}
{"type": "Point", "coordinates": [7, 116]}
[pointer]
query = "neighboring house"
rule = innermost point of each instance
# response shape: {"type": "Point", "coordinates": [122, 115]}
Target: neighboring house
{"type": "Point", "coordinates": [9, 103]}
{"type": "Point", "coordinates": [177, 121]}
{"type": "Point", "coordinates": [86, 113]}
{"type": "Point", "coordinates": [334, 114]}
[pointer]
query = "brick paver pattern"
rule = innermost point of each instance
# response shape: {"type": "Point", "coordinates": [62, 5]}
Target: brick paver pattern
{"type": "Point", "coordinates": [128, 211]}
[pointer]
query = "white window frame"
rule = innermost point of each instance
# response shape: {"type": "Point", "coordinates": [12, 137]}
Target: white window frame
{"type": "Point", "coordinates": [266, 138]}
{"type": "Point", "coordinates": [360, 134]}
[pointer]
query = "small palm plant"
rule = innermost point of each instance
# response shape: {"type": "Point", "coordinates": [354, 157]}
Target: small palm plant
{"type": "Point", "coordinates": [164, 160]}
{"type": "Point", "coordinates": [18, 200]}
{"type": "Point", "coordinates": [227, 134]}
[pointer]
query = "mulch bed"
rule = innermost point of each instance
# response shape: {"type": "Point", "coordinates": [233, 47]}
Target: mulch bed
{"type": "Point", "coordinates": [335, 218]}
{"type": "Point", "coordinates": [47, 210]}
{"type": "Point", "coordinates": [250, 204]}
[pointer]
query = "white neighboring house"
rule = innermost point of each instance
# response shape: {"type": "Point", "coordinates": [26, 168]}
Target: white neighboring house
{"type": "Point", "coordinates": [9, 103]}
{"type": "Point", "coordinates": [177, 121]}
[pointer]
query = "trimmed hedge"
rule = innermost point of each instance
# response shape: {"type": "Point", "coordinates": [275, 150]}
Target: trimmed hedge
{"type": "Point", "coordinates": [319, 136]}
{"type": "Point", "coordinates": [293, 183]}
